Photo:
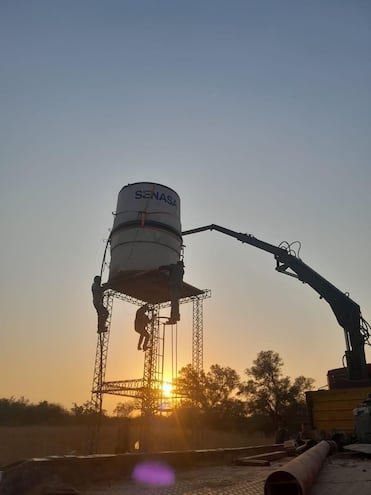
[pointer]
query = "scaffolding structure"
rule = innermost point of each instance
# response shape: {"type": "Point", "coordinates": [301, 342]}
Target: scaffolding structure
{"type": "Point", "coordinates": [197, 336]}
{"type": "Point", "coordinates": [148, 389]}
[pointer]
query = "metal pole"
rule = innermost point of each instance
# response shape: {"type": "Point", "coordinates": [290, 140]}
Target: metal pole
{"type": "Point", "coordinates": [297, 476]}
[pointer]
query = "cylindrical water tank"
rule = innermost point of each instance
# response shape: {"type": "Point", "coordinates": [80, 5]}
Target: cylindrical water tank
{"type": "Point", "coordinates": [146, 231]}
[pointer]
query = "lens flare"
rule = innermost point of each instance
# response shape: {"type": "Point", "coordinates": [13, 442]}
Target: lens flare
{"type": "Point", "coordinates": [154, 473]}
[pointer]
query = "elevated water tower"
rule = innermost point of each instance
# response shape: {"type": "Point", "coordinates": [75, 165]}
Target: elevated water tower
{"type": "Point", "coordinates": [146, 235]}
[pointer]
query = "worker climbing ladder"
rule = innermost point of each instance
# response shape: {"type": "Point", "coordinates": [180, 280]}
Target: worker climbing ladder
{"type": "Point", "coordinates": [149, 388]}
{"type": "Point", "coordinates": [100, 364]}
{"type": "Point", "coordinates": [101, 356]}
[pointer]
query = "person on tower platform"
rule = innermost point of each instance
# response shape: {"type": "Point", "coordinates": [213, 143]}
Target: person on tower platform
{"type": "Point", "coordinates": [140, 325]}
{"type": "Point", "coordinates": [176, 273]}
{"type": "Point", "coordinates": [102, 312]}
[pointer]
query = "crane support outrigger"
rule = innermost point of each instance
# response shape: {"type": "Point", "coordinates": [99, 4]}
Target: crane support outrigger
{"type": "Point", "coordinates": [347, 312]}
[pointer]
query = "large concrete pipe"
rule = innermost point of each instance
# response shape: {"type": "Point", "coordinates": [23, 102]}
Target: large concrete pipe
{"type": "Point", "coordinates": [297, 476]}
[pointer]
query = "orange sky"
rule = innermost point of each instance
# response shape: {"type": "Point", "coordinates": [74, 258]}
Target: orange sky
{"type": "Point", "coordinates": [256, 114]}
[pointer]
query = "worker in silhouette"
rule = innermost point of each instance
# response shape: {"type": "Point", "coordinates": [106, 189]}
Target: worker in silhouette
{"type": "Point", "coordinates": [176, 273]}
{"type": "Point", "coordinates": [140, 325]}
{"type": "Point", "coordinates": [98, 293]}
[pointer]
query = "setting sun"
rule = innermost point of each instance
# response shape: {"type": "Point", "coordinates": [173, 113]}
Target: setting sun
{"type": "Point", "coordinates": [167, 389]}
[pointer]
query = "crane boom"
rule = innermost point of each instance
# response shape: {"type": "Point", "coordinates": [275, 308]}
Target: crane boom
{"type": "Point", "coordinates": [347, 312]}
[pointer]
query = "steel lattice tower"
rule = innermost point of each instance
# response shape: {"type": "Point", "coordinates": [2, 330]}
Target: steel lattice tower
{"type": "Point", "coordinates": [101, 357]}
{"type": "Point", "coordinates": [149, 388]}
{"type": "Point", "coordinates": [100, 365]}
{"type": "Point", "coordinates": [197, 332]}
{"type": "Point", "coordinates": [153, 367]}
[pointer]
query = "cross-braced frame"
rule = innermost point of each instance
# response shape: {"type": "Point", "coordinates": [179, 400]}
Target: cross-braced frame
{"type": "Point", "coordinates": [149, 388]}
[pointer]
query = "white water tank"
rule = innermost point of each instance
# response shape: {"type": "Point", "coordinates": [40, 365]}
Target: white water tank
{"type": "Point", "coordinates": [146, 231]}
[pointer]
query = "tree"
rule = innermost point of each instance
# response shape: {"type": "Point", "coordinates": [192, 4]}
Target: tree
{"type": "Point", "coordinates": [221, 382]}
{"type": "Point", "coordinates": [190, 387]}
{"type": "Point", "coordinates": [271, 394]}
{"type": "Point", "coordinates": [49, 413]}
{"type": "Point", "coordinates": [23, 412]}
{"type": "Point", "coordinates": [207, 390]}
{"type": "Point", "coordinates": [211, 394]}
{"type": "Point", "coordinates": [83, 410]}
{"type": "Point", "coordinates": [14, 411]}
{"type": "Point", "coordinates": [124, 409]}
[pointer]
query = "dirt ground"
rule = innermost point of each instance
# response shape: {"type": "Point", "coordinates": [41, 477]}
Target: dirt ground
{"type": "Point", "coordinates": [340, 474]}
{"type": "Point", "coordinates": [200, 481]}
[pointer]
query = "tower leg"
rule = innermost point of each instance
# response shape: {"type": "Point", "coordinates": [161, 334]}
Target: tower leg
{"type": "Point", "coordinates": [197, 334]}
{"type": "Point", "coordinates": [96, 401]}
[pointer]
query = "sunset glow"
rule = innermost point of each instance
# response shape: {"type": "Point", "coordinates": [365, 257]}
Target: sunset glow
{"type": "Point", "coordinates": [167, 389]}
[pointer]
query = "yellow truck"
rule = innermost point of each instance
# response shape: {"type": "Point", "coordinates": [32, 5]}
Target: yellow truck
{"type": "Point", "coordinates": [332, 410]}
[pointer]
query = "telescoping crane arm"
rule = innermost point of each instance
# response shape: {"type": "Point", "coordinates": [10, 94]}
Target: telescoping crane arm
{"type": "Point", "coordinates": [347, 312]}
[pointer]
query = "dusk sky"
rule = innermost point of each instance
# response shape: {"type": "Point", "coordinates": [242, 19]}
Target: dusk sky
{"type": "Point", "coordinates": [257, 113]}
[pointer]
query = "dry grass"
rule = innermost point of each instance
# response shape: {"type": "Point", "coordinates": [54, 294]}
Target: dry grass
{"type": "Point", "coordinates": [22, 442]}
{"type": "Point", "coordinates": [17, 443]}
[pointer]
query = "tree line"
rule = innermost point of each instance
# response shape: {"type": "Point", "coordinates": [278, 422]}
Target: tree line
{"type": "Point", "coordinates": [20, 412]}
{"type": "Point", "coordinates": [264, 400]}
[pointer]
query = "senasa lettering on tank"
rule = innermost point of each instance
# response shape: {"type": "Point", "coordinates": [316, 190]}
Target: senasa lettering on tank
{"type": "Point", "coordinates": [139, 194]}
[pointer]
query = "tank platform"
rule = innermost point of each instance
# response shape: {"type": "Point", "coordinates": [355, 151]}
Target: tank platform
{"type": "Point", "coordinates": [150, 286]}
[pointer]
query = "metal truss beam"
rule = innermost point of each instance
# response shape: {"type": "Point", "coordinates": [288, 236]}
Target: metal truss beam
{"type": "Point", "coordinates": [125, 388]}
{"type": "Point", "coordinates": [101, 359]}
{"type": "Point", "coordinates": [132, 300]}
{"type": "Point", "coordinates": [197, 331]}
